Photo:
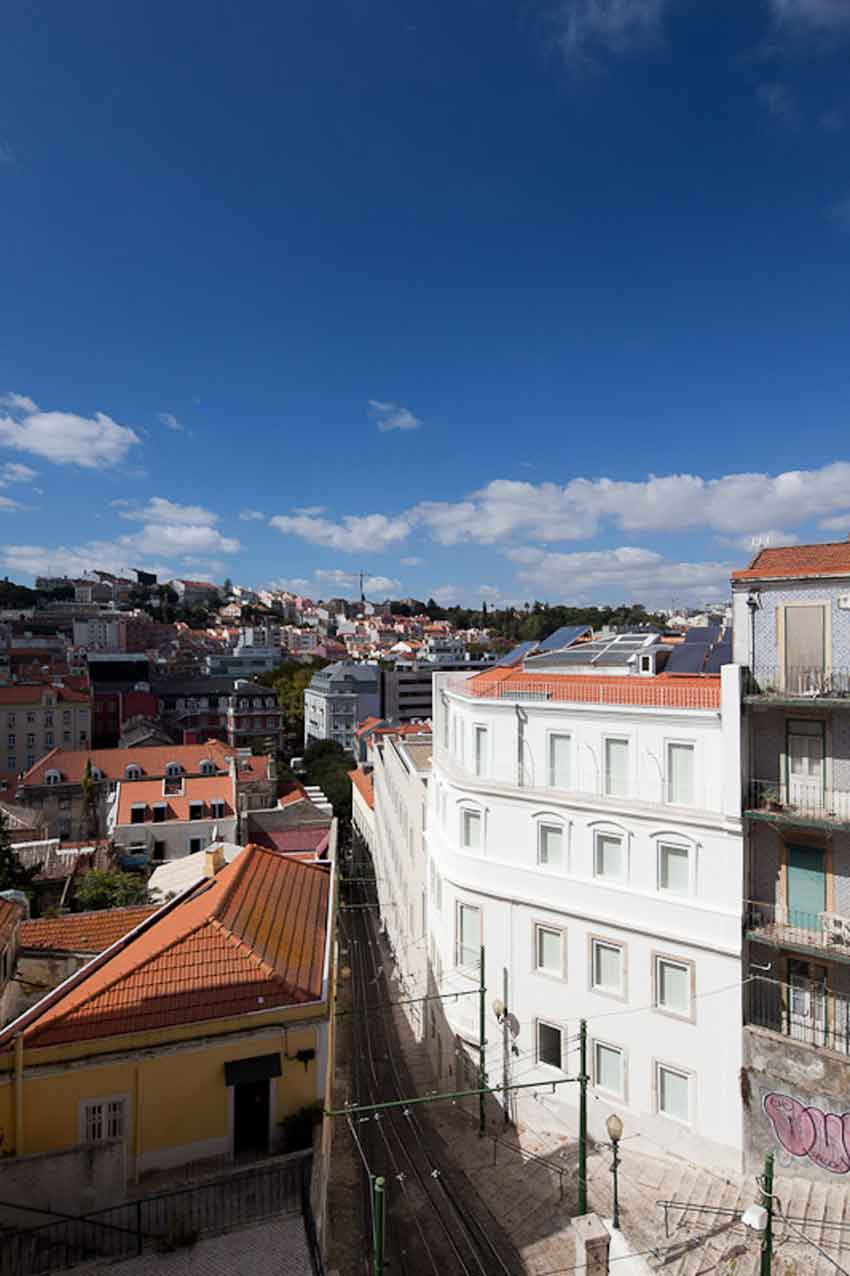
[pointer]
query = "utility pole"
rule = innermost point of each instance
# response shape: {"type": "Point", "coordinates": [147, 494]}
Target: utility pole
{"type": "Point", "coordinates": [482, 1046]}
{"type": "Point", "coordinates": [506, 1049]}
{"type": "Point", "coordinates": [582, 1119]}
{"type": "Point", "coordinates": [377, 1226]}
{"type": "Point", "coordinates": [767, 1202]}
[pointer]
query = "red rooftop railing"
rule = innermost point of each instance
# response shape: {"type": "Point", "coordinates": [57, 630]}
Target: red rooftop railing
{"type": "Point", "coordinates": [631, 691]}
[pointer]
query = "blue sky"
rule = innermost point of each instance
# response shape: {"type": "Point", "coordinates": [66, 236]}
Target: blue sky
{"type": "Point", "coordinates": [507, 300]}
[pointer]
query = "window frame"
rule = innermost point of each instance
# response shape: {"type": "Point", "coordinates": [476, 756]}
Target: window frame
{"type": "Point", "coordinates": [683, 1016]}
{"type": "Point", "coordinates": [537, 926]}
{"type": "Point", "coordinates": [460, 905]}
{"type": "Point", "coordinates": [623, 1093]}
{"type": "Point", "coordinates": [676, 742]}
{"type": "Point", "coordinates": [551, 736]}
{"type": "Point", "coordinates": [659, 1065]}
{"type": "Point", "coordinates": [677, 844]}
{"type": "Point", "coordinates": [480, 771]}
{"type": "Point", "coordinates": [553, 823]}
{"type": "Point", "coordinates": [605, 941]}
{"type": "Point", "coordinates": [84, 1106]}
{"type": "Point", "coordinates": [610, 831]}
{"type": "Point", "coordinates": [553, 1027]}
{"type": "Point", "coordinates": [616, 737]}
{"type": "Point", "coordinates": [466, 809]}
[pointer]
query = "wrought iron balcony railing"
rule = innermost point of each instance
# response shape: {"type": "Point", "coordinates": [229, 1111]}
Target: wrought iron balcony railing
{"type": "Point", "coordinates": [799, 682]}
{"type": "Point", "coordinates": [805, 1011]}
{"type": "Point", "coordinates": [797, 802]}
{"type": "Point", "coordinates": [784, 927]}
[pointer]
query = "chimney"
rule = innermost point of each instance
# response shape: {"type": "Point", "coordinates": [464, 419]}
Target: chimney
{"type": "Point", "coordinates": [213, 860]}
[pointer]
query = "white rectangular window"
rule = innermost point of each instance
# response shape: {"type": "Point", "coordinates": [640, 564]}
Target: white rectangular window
{"type": "Point", "coordinates": [560, 761]}
{"type": "Point", "coordinates": [549, 950]}
{"type": "Point", "coordinates": [480, 734]}
{"type": "Point", "coordinates": [548, 1044]}
{"type": "Point", "coordinates": [608, 856]}
{"type": "Point", "coordinates": [673, 1088]}
{"type": "Point", "coordinates": [673, 985]}
{"type": "Point", "coordinates": [103, 1119]}
{"type": "Point", "coordinates": [608, 1067]}
{"type": "Point", "coordinates": [470, 825]}
{"type": "Point", "coordinates": [674, 869]}
{"type": "Point", "coordinates": [550, 845]}
{"type": "Point", "coordinates": [607, 967]}
{"type": "Point", "coordinates": [616, 768]}
{"type": "Point", "coordinates": [680, 774]}
{"type": "Point", "coordinates": [468, 936]}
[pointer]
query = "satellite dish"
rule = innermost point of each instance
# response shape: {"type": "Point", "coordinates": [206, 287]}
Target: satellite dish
{"type": "Point", "coordinates": [513, 1025]}
{"type": "Point", "coordinates": [499, 1009]}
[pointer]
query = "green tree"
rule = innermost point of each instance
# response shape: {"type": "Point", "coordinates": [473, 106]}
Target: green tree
{"type": "Point", "coordinates": [105, 888]}
{"type": "Point", "coordinates": [13, 875]}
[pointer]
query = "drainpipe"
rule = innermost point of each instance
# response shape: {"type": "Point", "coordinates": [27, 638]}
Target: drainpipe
{"type": "Point", "coordinates": [138, 1122]}
{"type": "Point", "coordinates": [19, 1095]}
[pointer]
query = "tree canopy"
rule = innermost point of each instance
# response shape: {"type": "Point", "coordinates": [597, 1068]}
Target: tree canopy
{"type": "Point", "coordinates": [105, 888]}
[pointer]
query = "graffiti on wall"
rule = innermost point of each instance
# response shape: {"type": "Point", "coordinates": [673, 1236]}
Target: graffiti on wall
{"type": "Point", "coordinates": [824, 1137]}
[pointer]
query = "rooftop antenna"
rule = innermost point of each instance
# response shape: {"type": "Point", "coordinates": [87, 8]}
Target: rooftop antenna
{"type": "Point", "coordinates": [362, 595]}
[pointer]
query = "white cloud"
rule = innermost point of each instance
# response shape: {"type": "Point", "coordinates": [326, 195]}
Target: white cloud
{"type": "Point", "coordinates": [759, 540]}
{"type": "Point", "coordinates": [7, 504]}
{"type": "Point", "coordinates": [838, 523]}
{"type": "Point", "coordinates": [354, 534]}
{"type": "Point", "coordinates": [310, 511]}
{"type": "Point", "coordinates": [252, 516]}
{"type": "Point", "coordinates": [161, 510]}
{"type": "Point", "coordinates": [342, 579]}
{"type": "Point", "coordinates": [412, 561]}
{"type": "Point", "coordinates": [13, 472]}
{"type": "Point", "coordinates": [169, 420]}
{"type": "Point", "coordinates": [392, 416]}
{"type": "Point", "coordinates": [733, 504]}
{"type": "Point", "coordinates": [65, 438]}
{"type": "Point", "coordinates": [617, 575]}
{"type": "Point", "coordinates": [584, 29]}
{"type": "Point", "coordinates": [41, 560]}
{"type": "Point", "coordinates": [179, 538]}
{"type": "Point", "coordinates": [817, 15]}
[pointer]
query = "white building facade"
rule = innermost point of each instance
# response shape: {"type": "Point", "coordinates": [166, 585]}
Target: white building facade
{"type": "Point", "coordinates": [586, 831]}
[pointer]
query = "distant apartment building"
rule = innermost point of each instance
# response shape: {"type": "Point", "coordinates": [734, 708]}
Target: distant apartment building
{"type": "Point", "coordinates": [792, 632]}
{"type": "Point", "coordinates": [233, 709]}
{"type": "Point", "coordinates": [101, 633]}
{"type": "Point", "coordinates": [192, 592]}
{"type": "Point", "coordinates": [37, 718]}
{"type": "Point", "coordinates": [242, 662]}
{"type": "Point", "coordinates": [337, 699]}
{"type": "Point", "coordinates": [160, 819]}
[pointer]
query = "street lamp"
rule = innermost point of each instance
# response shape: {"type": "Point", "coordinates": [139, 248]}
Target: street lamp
{"type": "Point", "coordinates": [615, 1132]}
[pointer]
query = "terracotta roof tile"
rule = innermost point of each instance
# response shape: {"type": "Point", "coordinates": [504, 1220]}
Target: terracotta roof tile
{"type": "Point", "coordinates": [251, 938]}
{"type": "Point", "coordinates": [32, 693]}
{"type": "Point", "coordinates": [10, 914]}
{"type": "Point", "coordinates": [196, 788]}
{"type": "Point", "coordinates": [364, 785]}
{"type": "Point", "coordinates": [829, 559]}
{"type": "Point", "coordinates": [83, 932]}
{"type": "Point", "coordinates": [112, 763]}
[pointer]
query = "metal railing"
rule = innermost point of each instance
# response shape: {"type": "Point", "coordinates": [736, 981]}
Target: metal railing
{"type": "Point", "coordinates": [798, 801]}
{"type": "Point", "coordinates": [804, 1011]}
{"type": "Point", "coordinates": [781, 926]}
{"type": "Point", "coordinates": [170, 1219]}
{"type": "Point", "coordinates": [631, 691]}
{"type": "Point", "coordinates": [798, 681]}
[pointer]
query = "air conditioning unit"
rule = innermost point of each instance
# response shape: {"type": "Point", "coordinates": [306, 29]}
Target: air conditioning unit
{"type": "Point", "coordinates": [836, 928]}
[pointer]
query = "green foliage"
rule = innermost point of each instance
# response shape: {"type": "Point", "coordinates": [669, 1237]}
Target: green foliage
{"type": "Point", "coordinates": [289, 682]}
{"type": "Point", "coordinates": [327, 764]}
{"type": "Point", "coordinates": [105, 888]}
{"type": "Point", "coordinates": [539, 620]}
{"type": "Point", "coordinates": [13, 875]}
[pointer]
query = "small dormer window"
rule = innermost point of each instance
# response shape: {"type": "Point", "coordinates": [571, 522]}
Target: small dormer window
{"type": "Point", "coordinates": [196, 810]}
{"type": "Point", "coordinates": [217, 808]}
{"type": "Point", "coordinates": [96, 773]}
{"type": "Point", "coordinates": [133, 772]}
{"type": "Point", "coordinates": [207, 766]}
{"type": "Point", "coordinates": [138, 811]}
{"type": "Point", "coordinates": [159, 810]}
{"type": "Point", "coordinates": [52, 777]}
{"type": "Point", "coordinates": [646, 664]}
{"type": "Point", "coordinates": [173, 769]}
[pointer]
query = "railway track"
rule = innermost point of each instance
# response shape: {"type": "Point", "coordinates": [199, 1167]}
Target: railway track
{"type": "Point", "coordinates": [432, 1226]}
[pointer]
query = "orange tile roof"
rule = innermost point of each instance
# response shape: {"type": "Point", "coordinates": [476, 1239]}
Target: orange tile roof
{"type": "Point", "coordinates": [366, 725]}
{"type": "Point", "coordinates": [670, 691]}
{"type": "Point", "coordinates": [151, 759]}
{"type": "Point", "coordinates": [364, 785]}
{"type": "Point", "coordinates": [249, 939]}
{"type": "Point", "coordinates": [83, 932]}
{"type": "Point", "coordinates": [196, 788]}
{"type": "Point", "coordinates": [32, 693]}
{"type": "Point", "coordinates": [831, 558]}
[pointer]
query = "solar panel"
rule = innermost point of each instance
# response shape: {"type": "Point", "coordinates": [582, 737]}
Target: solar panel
{"type": "Point", "coordinates": [517, 654]}
{"type": "Point", "coordinates": [703, 633]}
{"type": "Point", "coordinates": [688, 657]}
{"type": "Point", "coordinates": [563, 637]}
{"type": "Point", "coordinates": [720, 655]}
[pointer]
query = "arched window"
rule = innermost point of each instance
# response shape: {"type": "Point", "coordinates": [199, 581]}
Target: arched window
{"type": "Point", "coordinates": [207, 767]}
{"type": "Point", "coordinates": [133, 772]}
{"type": "Point", "coordinates": [52, 777]}
{"type": "Point", "coordinates": [173, 769]}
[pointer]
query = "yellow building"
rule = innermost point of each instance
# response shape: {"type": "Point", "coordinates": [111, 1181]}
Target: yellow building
{"type": "Point", "coordinates": [195, 1036]}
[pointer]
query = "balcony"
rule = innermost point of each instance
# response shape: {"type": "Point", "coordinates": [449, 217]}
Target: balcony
{"type": "Point", "coordinates": [629, 691]}
{"type": "Point", "coordinates": [804, 1011]}
{"type": "Point", "coordinates": [793, 684]}
{"type": "Point", "coordinates": [798, 803]}
{"type": "Point", "coordinates": [824, 934]}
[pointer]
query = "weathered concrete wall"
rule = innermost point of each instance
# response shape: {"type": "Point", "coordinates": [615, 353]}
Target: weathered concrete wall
{"type": "Point", "coordinates": [795, 1105]}
{"type": "Point", "coordinates": [35, 975]}
{"type": "Point", "coordinates": [83, 1178]}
